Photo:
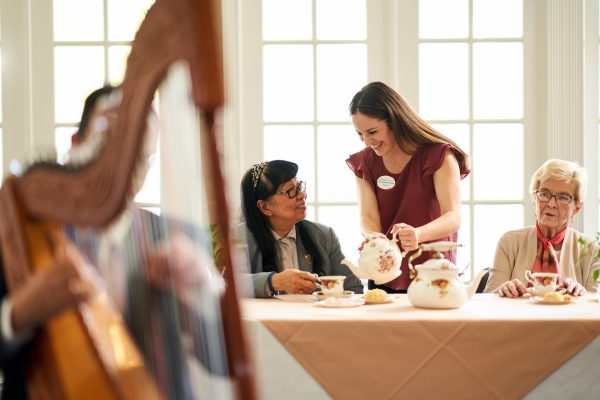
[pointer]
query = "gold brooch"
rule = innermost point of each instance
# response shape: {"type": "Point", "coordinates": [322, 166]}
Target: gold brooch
{"type": "Point", "coordinates": [308, 258]}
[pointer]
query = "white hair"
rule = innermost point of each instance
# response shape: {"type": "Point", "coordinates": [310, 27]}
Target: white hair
{"type": "Point", "coordinates": [568, 171]}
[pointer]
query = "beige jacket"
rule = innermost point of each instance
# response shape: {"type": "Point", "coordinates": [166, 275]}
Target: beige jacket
{"type": "Point", "coordinates": [516, 252]}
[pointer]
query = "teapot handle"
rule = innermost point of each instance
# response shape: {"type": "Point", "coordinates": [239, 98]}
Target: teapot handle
{"type": "Point", "coordinates": [413, 271]}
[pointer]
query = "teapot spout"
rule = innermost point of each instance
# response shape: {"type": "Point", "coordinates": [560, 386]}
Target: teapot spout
{"type": "Point", "coordinates": [472, 287]}
{"type": "Point", "coordinates": [355, 270]}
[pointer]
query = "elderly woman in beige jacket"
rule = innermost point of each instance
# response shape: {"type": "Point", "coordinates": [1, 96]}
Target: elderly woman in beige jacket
{"type": "Point", "coordinates": [557, 192]}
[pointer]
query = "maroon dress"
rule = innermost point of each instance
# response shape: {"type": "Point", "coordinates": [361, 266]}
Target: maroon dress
{"type": "Point", "coordinates": [407, 197]}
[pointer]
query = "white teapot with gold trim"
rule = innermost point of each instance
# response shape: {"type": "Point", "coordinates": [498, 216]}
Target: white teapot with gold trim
{"type": "Point", "coordinates": [380, 259]}
{"type": "Point", "coordinates": [436, 283]}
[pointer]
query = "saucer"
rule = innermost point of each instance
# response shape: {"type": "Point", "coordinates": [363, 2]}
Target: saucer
{"type": "Point", "coordinates": [340, 302]}
{"type": "Point", "coordinates": [533, 292]}
{"type": "Point", "coordinates": [295, 298]}
{"type": "Point", "coordinates": [540, 300]}
{"type": "Point", "coordinates": [322, 296]}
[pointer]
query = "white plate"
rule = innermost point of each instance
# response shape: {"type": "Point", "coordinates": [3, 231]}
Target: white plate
{"type": "Point", "coordinates": [296, 298]}
{"type": "Point", "coordinates": [340, 302]}
{"type": "Point", "coordinates": [540, 300]}
{"type": "Point", "coordinates": [322, 296]}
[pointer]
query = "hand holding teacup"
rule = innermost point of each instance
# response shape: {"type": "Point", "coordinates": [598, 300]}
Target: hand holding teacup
{"type": "Point", "coordinates": [572, 287]}
{"type": "Point", "coordinates": [514, 288]}
{"type": "Point", "coordinates": [294, 281]}
{"type": "Point", "coordinates": [331, 285]}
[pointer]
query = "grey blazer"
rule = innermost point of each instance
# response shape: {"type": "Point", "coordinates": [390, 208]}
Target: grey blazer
{"type": "Point", "coordinates": [329, 250]}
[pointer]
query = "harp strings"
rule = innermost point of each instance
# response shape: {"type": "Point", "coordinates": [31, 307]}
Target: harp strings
{"type": "Point", "coordinates": [159, 271]}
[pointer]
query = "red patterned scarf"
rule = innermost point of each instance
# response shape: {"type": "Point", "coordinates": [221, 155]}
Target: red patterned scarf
{"type": "Point", "coordinates": [545, 260]}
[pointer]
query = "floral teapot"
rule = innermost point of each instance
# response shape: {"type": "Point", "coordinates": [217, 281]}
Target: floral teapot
{"type": "Point", "coordinates": [436, 283]}
{"type": "Point", "coordinates": [379, 260]}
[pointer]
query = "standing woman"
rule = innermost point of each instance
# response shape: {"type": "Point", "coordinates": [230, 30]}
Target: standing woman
{"type": "Point", "coordinates": [286, 251]}
{"type": "Point", "coordinates": [408, 175]}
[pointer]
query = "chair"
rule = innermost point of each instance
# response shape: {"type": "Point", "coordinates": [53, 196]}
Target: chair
{"type": "Point", "coordinates": [483, 281]}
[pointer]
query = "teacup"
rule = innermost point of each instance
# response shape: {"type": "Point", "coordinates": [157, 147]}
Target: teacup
{"type": "Point", "coordinates": [543, 282]}
{"type": "Point", "coordinates": [332, 284]}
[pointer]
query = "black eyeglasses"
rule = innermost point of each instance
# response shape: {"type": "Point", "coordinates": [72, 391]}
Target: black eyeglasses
{"type": "Point", "coordinates": [293, 192]}
{"type": "Point", "coordinates": [545, 196]}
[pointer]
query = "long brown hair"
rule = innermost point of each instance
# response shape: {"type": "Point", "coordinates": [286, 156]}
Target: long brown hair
{"type": "Point", "coordinates": [411, 132]}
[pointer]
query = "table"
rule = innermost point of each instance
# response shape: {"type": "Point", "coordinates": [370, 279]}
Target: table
{"type": "Point", "coordinates": [491, 347]}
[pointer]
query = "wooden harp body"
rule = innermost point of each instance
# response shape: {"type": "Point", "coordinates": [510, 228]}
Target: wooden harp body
{"type": "Point", "coordinates": [69, 360]}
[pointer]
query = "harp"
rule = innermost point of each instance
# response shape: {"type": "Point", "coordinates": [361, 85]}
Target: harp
{"type": "Point", "coordinates": [35, 207]}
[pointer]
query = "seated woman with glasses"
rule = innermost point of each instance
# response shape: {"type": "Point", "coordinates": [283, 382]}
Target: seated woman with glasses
{"type": "Point", "coordinates": [287, 253]}
{"type": "Point", "coordinates": [557, 192]}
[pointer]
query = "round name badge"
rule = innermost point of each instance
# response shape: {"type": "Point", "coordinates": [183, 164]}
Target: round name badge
{"type": "Point", "coordinates": [385, 182]}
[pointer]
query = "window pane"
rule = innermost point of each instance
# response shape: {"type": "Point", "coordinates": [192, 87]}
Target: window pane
{"type": "Point", "coordinates": [76, 20]}
{"type": "Point", "coordinates": [125, 17]}
{"type": "Point", "coordinates": [459, 133]}
{"type": "Point", "coordinates": [150, 191]}
{"type": "Point", "coordinates": [310, 213]}
{"type": "Point", "coordinates": [341, 72]}
{"type": "Point", "coordinates": [443, 81]}
{"type": "Point", "coordinates": [346, 223]}
{"type": "Point", "coordinates": [288, 83]}
{"type": "Point", "coordinates": [443, 19]}
{"type": "Point", "coordinates": [117, 59]}
{"type": "Point", "coordinates": [498, 80]}
{"type": "Point", "coordinates": [498, 161]}
{"type": "Point", "coordinates": [77, 71]}
{"type": "Point", "coordinates": [296, 144]}
{"type": "Point", "coordinates": [287, 19]}
{"type": "Point", "coordinates": [497, 18]}
{"type": "Point", "coordinates": [463, 254]}
{"type": "Point", "coordinates": [1, 107]}
{"type": "Point", "coordinates": [352, 26]}
{"type": "Point", "coordinates": [491, 221]}
{"type": "Point", "coordinates": [62, 142]}
{"type": "Point", "coordinates": [334, 144]}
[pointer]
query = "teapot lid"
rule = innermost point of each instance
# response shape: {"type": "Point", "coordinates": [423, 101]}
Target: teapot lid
{"type": "Point", "coordinates": [438, 263]}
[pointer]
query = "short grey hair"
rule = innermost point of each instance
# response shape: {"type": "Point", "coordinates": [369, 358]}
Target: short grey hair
{"type": "Point", "coordinates": [561, 170]}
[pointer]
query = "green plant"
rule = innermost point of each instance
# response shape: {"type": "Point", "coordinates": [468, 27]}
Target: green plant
{"type": "Point", "coordinates": [587, 247]}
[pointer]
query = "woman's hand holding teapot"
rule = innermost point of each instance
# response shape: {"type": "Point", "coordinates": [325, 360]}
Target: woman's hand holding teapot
{"type": "Point", "coordinates": [407, 235]}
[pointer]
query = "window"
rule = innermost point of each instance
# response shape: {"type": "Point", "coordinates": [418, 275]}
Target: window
{"type": "Point", "coordinates": [470, 70]}
{"type": "Point", "coordinates": [57, 52]}
{"type": "Point", "coordinates": [467, 59]}
{"type": "Point", "coordinates": [91, 42]}
{"type": "Point", "coordinates": [1, 125]}
{"type": "Point", "coordinates": [312, 63]}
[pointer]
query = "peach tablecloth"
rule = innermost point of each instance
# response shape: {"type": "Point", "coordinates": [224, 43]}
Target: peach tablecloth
{"type": "Point", "coordinates": [491, 347]}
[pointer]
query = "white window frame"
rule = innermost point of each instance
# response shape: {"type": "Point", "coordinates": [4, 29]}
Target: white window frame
{"type": "Point", "coordinates": [553, 126]}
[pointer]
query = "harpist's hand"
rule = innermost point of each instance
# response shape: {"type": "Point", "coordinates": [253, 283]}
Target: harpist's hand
{"type": "Point", "coordinates": [514, 288]}
{"type": "Point", "coordinates": [294, 281]}
{"type": "Point", "coordinates": [54, 288]}
{"type": "Point", "coordinates": [178, 265]}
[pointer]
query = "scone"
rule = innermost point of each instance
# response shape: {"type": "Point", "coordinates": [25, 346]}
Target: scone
{"type": "Point", "coordinates": [376, 296]}
{"type": "Point", "coordinates": [555, 297]}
